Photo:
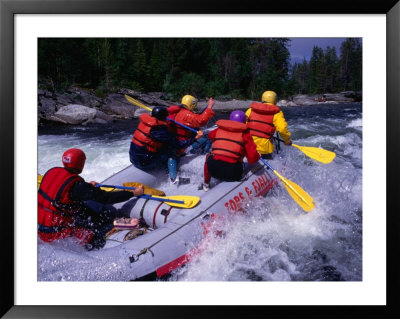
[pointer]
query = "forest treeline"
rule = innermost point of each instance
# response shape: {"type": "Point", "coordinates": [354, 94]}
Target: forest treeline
{"type": "Point", "coordinates": [240, 68]}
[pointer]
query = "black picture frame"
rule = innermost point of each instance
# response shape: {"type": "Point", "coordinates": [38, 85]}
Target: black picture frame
{"type": "Point", "coordinates": [8, 10]}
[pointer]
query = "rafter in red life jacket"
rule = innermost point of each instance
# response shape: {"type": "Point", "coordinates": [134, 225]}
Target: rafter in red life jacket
{"type": "Point", "coordinates": [179, 114]}
{"type": "Point", "coordinates": [229, 140]}
{"type": "Point", "coordinates": [142, 136]}
{"type": "Point", "coordinates": [55, 208]}
{"type": "Point", "coordinates": [261, 119]}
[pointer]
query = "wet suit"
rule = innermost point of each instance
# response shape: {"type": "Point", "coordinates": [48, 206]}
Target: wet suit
{"type": "Point", "coordinates": [96, 213]}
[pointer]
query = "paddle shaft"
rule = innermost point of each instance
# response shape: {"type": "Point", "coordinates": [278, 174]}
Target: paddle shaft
{"type": "Point", "coordinates": [295, 191]}
{"type": "Point", "coordinates": [278, 139]}
{"type": "Point", "coordinates": [206, 131]}
{"type": "Point", "coordinates": [265, 162]}
{"type": "Point", "coordinates": [144, 195]}
{"type": "Point", "coordinates": [201, 112]}
{"type": "Point", "coordinates": [183, 125]}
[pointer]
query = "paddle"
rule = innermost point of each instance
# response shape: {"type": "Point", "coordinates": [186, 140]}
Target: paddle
{"type": "Point", "coordinates": [201, 112]}
{"type": "Point", "coordinates": [39, 180]}
{"type": "Point", "coordinates": [298, 194]}
{"type": "Point", "coordinates": [318, 154]}
{"type": "Point", "coordinates": [182, 201]}
{"type": "Point", "coordinates": [147, 189]}
{"type": "Point", "coordinates": [133, 101]}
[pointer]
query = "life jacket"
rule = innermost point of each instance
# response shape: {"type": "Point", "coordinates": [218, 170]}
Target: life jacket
{"type": "Point", "coordinates": [142, 136]}
{"type": "Point", "coordinates": [55, 209]}
{"type": "Point", "coordinates": [229, 140]}
{"type": "Point", "coordinates": [179, 114]}
{"type": "Point", "coordinates": [260, 122]}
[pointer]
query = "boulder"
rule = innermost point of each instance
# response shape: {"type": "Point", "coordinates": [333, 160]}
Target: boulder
{"type": "Point", "coordinates": [155, 99]}
{"type": "Point", "coordinates": [46, 106]}
{"type": "Point", "coordinates": [129, 92]}
{"type": "Point", "coordinates": [230, 105]}
{"type": "Point", "coordinates": [303, 99]}
{"type": "Point", "coordinates": [81, 106]}
{"type": "Point", "coordinates": [338, 97]}
{"type": "Point", "coordinates": [83, 97]}
{"type": "Point", "coordinates": [49, 103]}
{"type": "Point", "coordinates": [285, 103]}
{"type": "Point", "coordinates": [118, 105]}
{"type": "Point", "coordinates": [76, 114]}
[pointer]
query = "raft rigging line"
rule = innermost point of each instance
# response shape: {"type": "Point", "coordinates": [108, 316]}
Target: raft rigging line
{"type": "Point", "coordinates": [134, 258]}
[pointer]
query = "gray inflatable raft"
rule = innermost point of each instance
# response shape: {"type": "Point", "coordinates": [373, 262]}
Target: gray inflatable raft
{"type": "Point", "coordinates": [174, 233]}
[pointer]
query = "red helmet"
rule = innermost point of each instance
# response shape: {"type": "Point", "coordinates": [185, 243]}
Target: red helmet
{"type": "Point", "coordinates": [74, 158]}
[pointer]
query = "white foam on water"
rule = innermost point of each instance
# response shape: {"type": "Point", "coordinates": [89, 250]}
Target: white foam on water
{"type": "Point", "coordinates": [355, 124]}
{"type": "Point", "coordinates": [274, 240]}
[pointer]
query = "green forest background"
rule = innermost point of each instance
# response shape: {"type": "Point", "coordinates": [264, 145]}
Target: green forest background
{"type": "Point", "coordinates": [224, 68]}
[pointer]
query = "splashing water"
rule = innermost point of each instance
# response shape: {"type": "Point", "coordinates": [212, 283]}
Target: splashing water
{"type": "Point", "coordinates": [273, 240]}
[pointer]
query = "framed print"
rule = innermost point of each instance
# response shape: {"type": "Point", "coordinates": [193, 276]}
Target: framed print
{"type": "Point", "coordinates": [37, 289]}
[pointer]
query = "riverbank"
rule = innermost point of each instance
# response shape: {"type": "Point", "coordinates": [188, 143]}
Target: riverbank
{"type": "Point", "coordinates": [78, 106]}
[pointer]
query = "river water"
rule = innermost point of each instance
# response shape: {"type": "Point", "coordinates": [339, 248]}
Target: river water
{"type": "Point", "coordinates": [274, 240]}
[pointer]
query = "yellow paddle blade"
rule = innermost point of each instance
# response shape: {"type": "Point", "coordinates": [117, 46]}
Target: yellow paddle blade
{"type": "Point", "coordinates": [39, 180]}
{"type": "Point", "coordinates": [319, 154]}
{"type": "Point", "coordinates": [147, 189]}
{"type": "Point", "coordinates": [298, 194]}
{"type": "Point", "coordinates": [110, 189]}
{"type": "Point", "coordinates": [189, 201]}
{"type": "Point", "coordinates": [133, 101]}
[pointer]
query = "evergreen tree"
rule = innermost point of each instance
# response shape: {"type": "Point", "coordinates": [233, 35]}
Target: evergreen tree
{"type": "Point", "coordinates": [269, 66]}
{"type": "Point", "coordinates": [219, 67]}
{"type": "Point", "coordinates": [351, 64]}
{"type": "Point", "coordinates": [300, 77]}
{"type": "Point", "coordinates": [316, 71]}
{"type": "Point", "coordinates": [122, 62]}
{"type": "Point", "coordinates": [91, 53]}
{"type": "Point", "coordinates": [140, 68]}
{"type": "Point", "coordinates": [106, 63]}
{"type": "Point", "coordinates": [155, 71]}
{"type": "Point", "coordinates": [331, 73]}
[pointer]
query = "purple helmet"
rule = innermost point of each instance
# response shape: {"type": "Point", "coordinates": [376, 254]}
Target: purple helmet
{"type": "Point", "coordinates": [238, 116]}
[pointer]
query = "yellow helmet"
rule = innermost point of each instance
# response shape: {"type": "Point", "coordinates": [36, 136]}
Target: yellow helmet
{"type": "Point", "coordinates": [269, 97]}
{"type": "Point", "coordinates": [189, 101]}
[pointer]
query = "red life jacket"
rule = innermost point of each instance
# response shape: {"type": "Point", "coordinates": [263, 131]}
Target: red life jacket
{"type": "Point", "coordinates": [142, 136]}
{"type": "Point", "coordinates": [179, 114]}
{"type": "Point", "coordinates": [55, 209]}
{"type": "Point", "coordinates": [229, 140]}
{"type": "Point", "coordinates": [261, 119]}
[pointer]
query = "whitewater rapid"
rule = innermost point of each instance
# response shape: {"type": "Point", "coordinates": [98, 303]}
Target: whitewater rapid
{"type": "Point", "coordinates": [273, 240]}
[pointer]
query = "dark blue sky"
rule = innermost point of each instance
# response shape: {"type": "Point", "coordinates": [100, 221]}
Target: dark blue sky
{"type": "Point", "coordinates": [301, 48]}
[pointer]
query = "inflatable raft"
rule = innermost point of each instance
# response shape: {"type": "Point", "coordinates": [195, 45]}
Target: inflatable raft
{"type": "Point", "coordinates": [172, 234]}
